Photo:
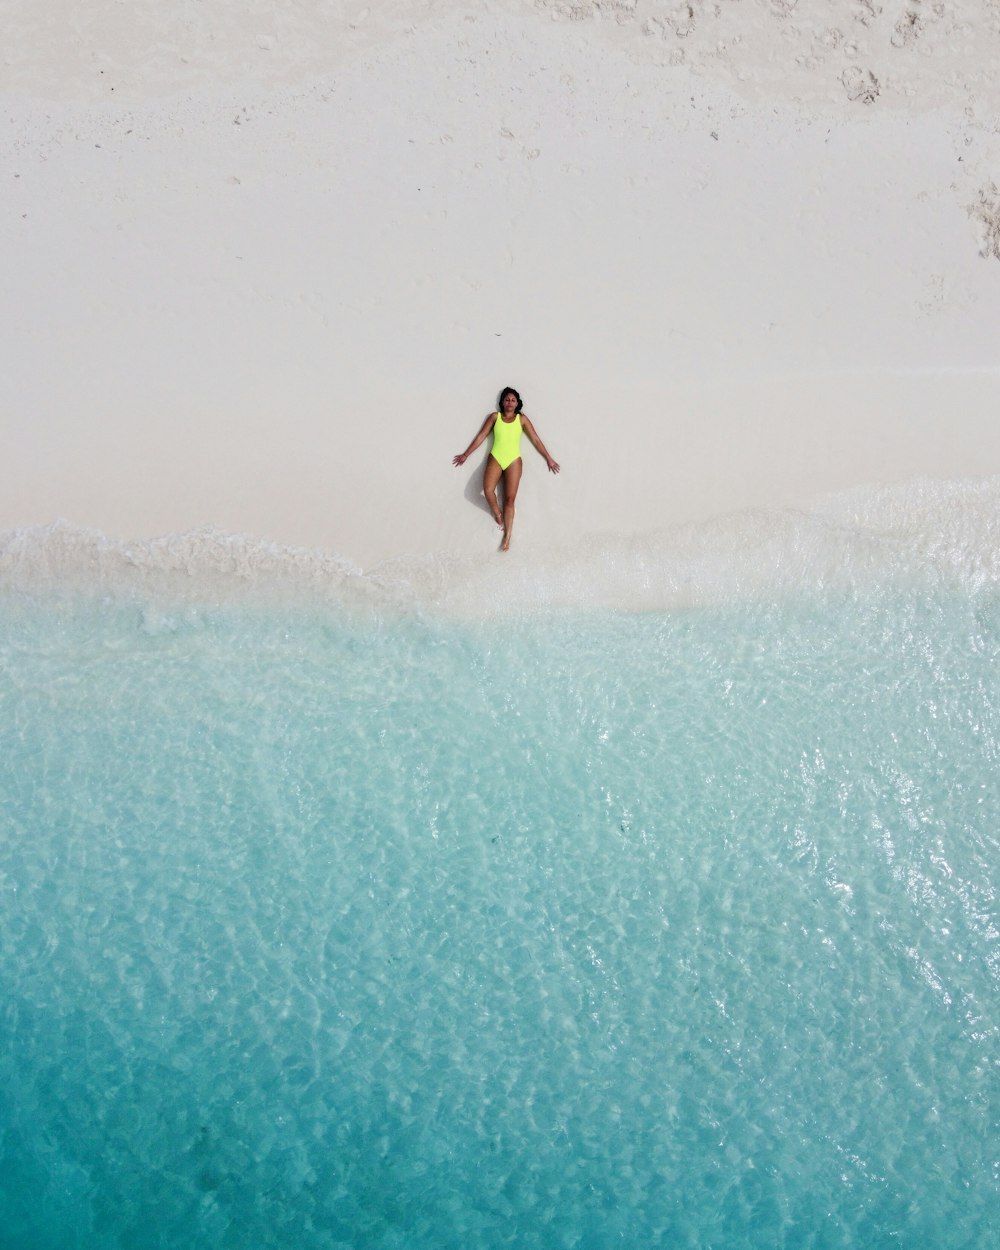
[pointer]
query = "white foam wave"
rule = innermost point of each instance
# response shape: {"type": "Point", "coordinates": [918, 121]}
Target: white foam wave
{"type": "Point", "coordinates": [928, 531]}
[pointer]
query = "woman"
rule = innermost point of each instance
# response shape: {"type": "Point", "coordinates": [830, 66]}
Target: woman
{"type": "Point", "coordinates": [504, 459]}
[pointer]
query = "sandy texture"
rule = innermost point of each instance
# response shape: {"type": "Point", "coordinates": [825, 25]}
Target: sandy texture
{"type": "Point", "coordinates": [266, 267]}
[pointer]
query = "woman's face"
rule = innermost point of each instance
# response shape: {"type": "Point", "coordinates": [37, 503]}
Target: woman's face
{"type": "Point", "coordinates": [509, 404]}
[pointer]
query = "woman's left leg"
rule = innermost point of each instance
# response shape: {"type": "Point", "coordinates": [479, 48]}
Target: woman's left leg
{"type": "Point", "coordinates": [511, 481]}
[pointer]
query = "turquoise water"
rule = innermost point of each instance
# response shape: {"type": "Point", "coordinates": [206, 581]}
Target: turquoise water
{"type": "Point", "coordinates": [583, 928]}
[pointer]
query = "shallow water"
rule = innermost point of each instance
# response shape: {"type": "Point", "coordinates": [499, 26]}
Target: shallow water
{"type": "Point", "coordinates": [585, 928]}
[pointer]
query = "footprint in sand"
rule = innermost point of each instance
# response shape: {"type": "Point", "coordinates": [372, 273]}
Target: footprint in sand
{"type": "Point", "coordinates": [986, 213]}
{"type": "Point", "coordinates": [860, 84]}
{"type": "Point", "coordinates": [932, 300]}
{"type": "Point", "coordinates": [907, 30]}
{"type": "Point", "coordinates": [682, 21]}
{"type": "Point", "coordinates": [867, 12]}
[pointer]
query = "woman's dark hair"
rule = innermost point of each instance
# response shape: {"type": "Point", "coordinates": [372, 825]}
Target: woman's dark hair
{"type": "Point", "coordinates": [509, 390]}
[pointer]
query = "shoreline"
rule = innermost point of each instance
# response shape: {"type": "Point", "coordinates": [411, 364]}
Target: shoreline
{"type": "Point", "coordinates": [925, 532]}
{"type": "Point", "coordinates": [718, 451]}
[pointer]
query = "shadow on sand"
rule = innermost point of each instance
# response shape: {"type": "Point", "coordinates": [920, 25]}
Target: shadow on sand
{"type": "Point", "coordinates": [474, 487]}
{"type": "Point", "coordinates": [474, 491]}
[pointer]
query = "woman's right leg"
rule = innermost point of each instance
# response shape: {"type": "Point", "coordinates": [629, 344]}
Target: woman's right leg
{"type": "Point", "coordinates": [491, 479]}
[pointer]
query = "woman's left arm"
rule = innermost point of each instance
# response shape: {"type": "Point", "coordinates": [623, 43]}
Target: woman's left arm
{"type": "Point", "coordinates": [537, 443]}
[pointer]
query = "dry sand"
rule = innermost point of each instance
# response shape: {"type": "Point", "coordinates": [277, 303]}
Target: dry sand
{"type": "Point", "coordinates": [265, 269]}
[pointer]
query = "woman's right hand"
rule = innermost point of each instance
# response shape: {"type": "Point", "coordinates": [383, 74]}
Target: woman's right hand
{"type": "Point", "coordinates": [459, 460]}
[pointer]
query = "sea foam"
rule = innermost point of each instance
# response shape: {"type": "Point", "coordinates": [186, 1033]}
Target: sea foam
{"type": "Point", "coordinates": [943, 532]}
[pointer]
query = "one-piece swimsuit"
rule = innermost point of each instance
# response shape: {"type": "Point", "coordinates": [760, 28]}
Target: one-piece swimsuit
{"type": "Point", "coordinates": [506, 440]}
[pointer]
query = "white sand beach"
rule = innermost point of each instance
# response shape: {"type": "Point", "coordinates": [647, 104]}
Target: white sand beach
{"type": "Point", "coordinates": [266, 269]}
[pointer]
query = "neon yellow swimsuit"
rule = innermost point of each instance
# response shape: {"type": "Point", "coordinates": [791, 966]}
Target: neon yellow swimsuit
{"type": "Point", "coordinates": [506, 441]}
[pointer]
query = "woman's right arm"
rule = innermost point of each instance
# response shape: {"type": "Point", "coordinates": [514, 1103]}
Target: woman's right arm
{"type": "Point", "coordinates": [478, 441]}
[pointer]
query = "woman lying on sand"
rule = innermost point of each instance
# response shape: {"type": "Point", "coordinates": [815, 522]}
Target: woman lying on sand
{"type": "Point", "coordinates": [505, 457]}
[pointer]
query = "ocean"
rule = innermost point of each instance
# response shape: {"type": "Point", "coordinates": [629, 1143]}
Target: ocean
{"type": "Point", "coordinates": [643, 895]}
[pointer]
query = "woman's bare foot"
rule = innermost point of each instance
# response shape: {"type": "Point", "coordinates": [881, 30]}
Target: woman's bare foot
{"type": "Point", "coordinates": [505, 545]}
{"type": "Point", "coordinates": [497, 516]}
